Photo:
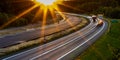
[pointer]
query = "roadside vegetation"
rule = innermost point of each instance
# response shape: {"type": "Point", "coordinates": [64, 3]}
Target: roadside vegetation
{"type": "Point", "coordinates": [37, 42]}
{"type": "Point", "coordinates": [110, 8]}
{"type": "Point", "coordinates": [9, 9]}
{"type": "Point", "coordinates": [107, 47]}
{"type": "Point", "coordinates": [26, 20]}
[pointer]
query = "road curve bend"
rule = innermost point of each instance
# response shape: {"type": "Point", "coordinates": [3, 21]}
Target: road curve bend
{"type": "Point", "coordinates": [65, 48]}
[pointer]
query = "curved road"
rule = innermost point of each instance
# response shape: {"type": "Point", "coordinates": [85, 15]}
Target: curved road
{"type": "Point", "coordinates": [64, 48]}
{"type": "Point", "coordinates": [9, 40]}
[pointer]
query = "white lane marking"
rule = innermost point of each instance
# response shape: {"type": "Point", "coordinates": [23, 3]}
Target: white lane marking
{"type": "Point", "coordinates": [82, 43]}
{"type": "Point", "coordinates": [59, 46]}
{"type": "Point", "coordinates": [40, 46]}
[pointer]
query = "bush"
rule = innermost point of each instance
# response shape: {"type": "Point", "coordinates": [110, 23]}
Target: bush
{"type": "Point", "coordinates": [40, 41]}
{"type": "Point", "coordinates": [3, 18]}
{"type": "Point", "coordinates": [110, 12]}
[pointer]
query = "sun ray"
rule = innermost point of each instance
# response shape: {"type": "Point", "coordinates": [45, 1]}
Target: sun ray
{"type": "Point", "coordinates": [37, 15]}
{"type": "Point", "coordinates": [93, 48]}
{"type": "Point", "coordinates": [71, 7]}
{"type": "Point", "coordinates": [46, 2]}
{"type": "Point", "coordinates": [54, 18]}
{"type": "Point", "coordinates": [18, 16]}
{"type": "Point", "coordinates": [44, 22]}
{"type": "Point", "coordinates": [65, 18]}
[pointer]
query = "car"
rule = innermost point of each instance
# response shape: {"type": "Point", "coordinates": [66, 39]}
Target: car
{"type": "Point", "coordinates": [100, 22]}
{"type": "Point", "coordinates": [94, 17]}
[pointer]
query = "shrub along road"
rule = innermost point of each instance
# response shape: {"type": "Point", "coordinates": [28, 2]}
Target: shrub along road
{"type": "Point", "coordinates": [64, 48]}
{"type": "Point", "coordinates": [107, 47]}
{"type": "Point", "coordinates": [33, 34]}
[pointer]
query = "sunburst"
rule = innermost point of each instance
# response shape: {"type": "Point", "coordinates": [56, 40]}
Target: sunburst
{"type": "Point", "coordinates": [46, 2]}
{"type": "Point", "coordinates": [45, 6]}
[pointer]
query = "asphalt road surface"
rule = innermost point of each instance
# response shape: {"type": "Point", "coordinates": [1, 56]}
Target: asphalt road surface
{"type": "Point", "coordinates": [33, 34]}
{"type": "Point", "coordinates": [60, 48]}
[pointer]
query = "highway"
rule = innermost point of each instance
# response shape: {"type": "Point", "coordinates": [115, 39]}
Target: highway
{"type": "Point", "coordinates": [9, 40]}
{"type": "Point", "coordinates": [65, 48]}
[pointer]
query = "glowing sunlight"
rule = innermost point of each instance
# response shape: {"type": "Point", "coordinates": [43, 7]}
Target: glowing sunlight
{"type": "Point", "coordinates": [46, 2]}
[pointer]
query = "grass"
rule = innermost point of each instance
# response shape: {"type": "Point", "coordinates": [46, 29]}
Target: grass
{"type": "Point", "coordinates": [30, 44]}
{"type": "Point", "coordinates": [106, 48]}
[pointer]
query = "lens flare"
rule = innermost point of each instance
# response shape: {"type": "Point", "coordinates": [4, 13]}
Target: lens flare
{"type": "Point", "coordinates": [46, 2]}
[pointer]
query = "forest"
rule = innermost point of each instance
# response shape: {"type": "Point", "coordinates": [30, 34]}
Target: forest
{"type": "Point", "coordinates": [110, 8]}
{"type": "Point", "coordinates": [11, 8]}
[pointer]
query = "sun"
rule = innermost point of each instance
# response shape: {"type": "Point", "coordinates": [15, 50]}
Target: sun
{"type": "Point", "coordinates": [46, 2]}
